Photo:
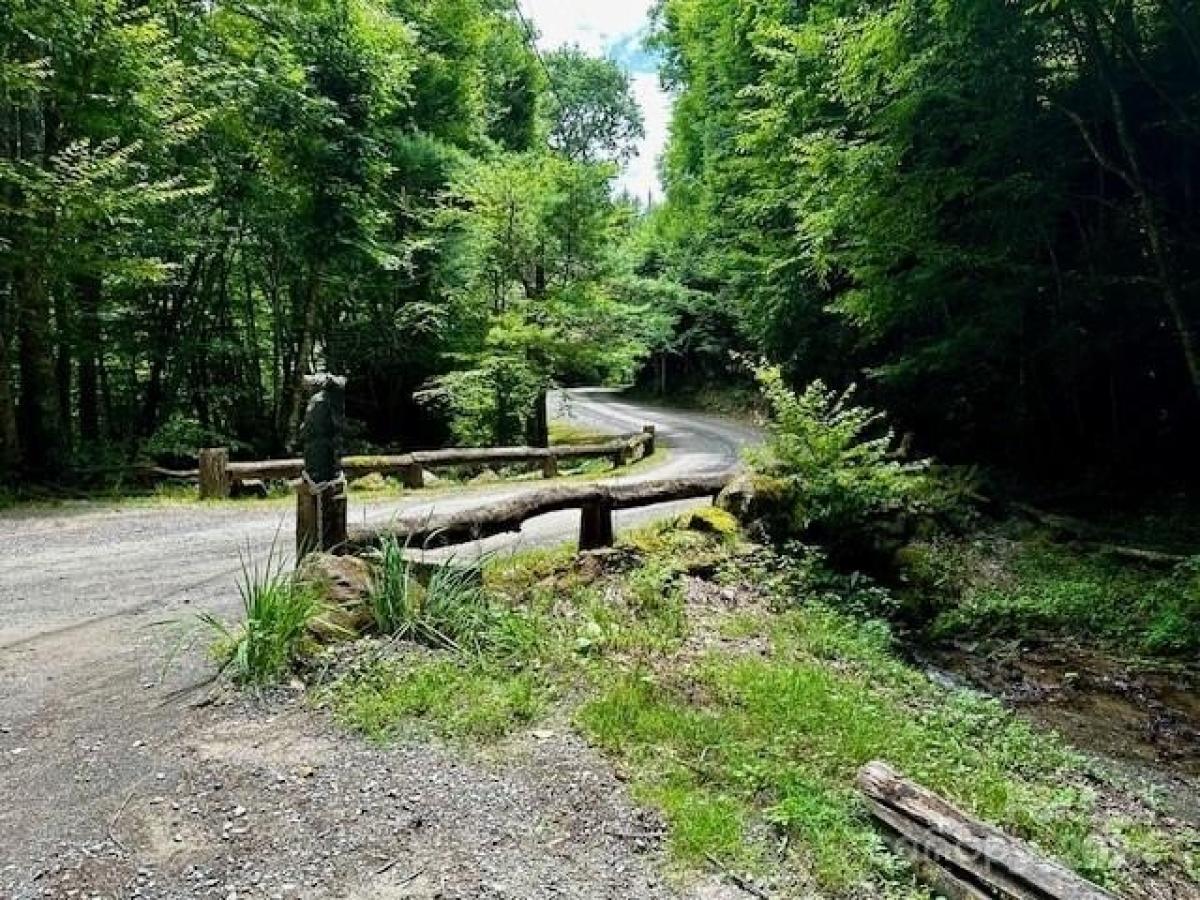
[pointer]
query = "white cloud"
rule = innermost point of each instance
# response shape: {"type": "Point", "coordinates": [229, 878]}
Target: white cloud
{"type": "Point", "coordinates": [596, 25]}
{"type": "Point", "coordinates": [593, 24]}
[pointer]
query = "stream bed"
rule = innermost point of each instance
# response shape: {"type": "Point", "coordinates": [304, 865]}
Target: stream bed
{"type": "Point", "coordinates": [1141, 719]}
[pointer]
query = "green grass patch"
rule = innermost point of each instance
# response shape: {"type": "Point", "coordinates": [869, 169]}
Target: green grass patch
{"type": "Point", "coordinates": [570, 433]}
{"type": "Point", "coordinates": [777, 740]}
{"type": "Point", "coordinates": [1006, 589]}
{"type": "Point", "coordinates": [451, 695]}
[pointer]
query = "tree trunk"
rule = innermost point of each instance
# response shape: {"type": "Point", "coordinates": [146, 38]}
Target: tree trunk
{"type": "Point", "coordinates": [88, 291]}
{"type": "Point", "coordinates": [62, 363]}
{"type": "Point", "coordinates": [539, 422]}
{"type": "Point", "coordinates": [38, 414]}
{"type": "Point", "coordinates": [10, 445]}
{"type": "Point", "coordinates": [305, 345]}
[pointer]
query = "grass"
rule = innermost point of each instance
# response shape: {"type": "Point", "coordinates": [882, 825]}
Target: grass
{"type": "Point", "coordinates": [999, 588]}
{"type": "Point", "coordinates": [746, 726]}
{"type": "Point", "coordinates": [565, 433]}
{"type": "Point", "coordinates": [265, 647]}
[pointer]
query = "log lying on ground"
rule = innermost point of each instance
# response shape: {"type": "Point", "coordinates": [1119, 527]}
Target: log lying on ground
{"type": "Point", "coordinates": [962, 857]}
{"type": "Point", "coordinates": [509, 514]}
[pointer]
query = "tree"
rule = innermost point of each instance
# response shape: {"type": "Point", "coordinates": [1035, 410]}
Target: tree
{"type": "Point", "coordinates": [592, 114]}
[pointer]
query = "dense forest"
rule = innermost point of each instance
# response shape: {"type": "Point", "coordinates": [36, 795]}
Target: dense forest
{"type": "Point", "coordinates": [986, 214]}
{"type": "Point", "coordinates": [201, 203]}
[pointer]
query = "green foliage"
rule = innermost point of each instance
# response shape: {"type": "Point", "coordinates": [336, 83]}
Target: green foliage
{"type": "Point", "coordinates": [821, 446]}
{"type": "Point", "coordinates": [264, 648]}
{"type": "Point", "coordinates": [939, 200]}
{"type": "Point", "coordinates": [1001, 589]}
{"type": "Point", "coordinates": [782, 736]}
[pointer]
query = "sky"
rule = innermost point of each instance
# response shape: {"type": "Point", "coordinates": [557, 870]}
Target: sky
{"type": "Point", "coordinates": [613, 27]}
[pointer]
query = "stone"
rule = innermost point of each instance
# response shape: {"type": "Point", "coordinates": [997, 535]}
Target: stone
{"type": "Point", "coordinates": [344, 584]}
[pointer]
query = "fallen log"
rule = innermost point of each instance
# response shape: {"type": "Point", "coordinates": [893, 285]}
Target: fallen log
{"type": "Point", "coordinates": [509, 514]}
{"type": "Point", "coordinates": [961, 857]}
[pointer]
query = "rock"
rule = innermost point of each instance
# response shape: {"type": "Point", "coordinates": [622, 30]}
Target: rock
{"type": "Point", "coordinates": [758, 500]}
{"type": "Point", "coordinates": [344, 584]}
{"type": "Point", "coordinates": [487, 476]}
{"type": "Point", "coordinates": [711, 520]}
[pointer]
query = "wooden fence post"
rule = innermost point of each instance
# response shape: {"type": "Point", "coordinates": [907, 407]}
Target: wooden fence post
{"type": "Point", "coordinates": [414, 476]}
{"type": "Point", "coordinates": [550, 466]}
{"type": "Point", "coordinates": [321, 494]}
{"type": "Point", "coordinates": [215, 483]}
{"type": "Point", "coordinates": [595, 525]}
{"type": "Point", "coordinates": [651, 439]}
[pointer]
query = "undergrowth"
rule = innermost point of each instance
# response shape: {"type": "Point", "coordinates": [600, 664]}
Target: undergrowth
{"type": "Point", "coordinates": [1002, 588]}
{"type": "Point", "coordinates": [746, 725]}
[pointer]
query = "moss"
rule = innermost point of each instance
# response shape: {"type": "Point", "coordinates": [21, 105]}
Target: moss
{"type": "Point", "coordinates": [712, 520]}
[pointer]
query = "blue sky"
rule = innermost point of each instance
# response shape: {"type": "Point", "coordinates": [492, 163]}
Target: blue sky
{"type": "Point", "coordinates": [613, 27]}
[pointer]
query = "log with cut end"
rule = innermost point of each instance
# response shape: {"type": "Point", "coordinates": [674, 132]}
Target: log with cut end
{"type": "Point", "coordinates": [961, 856]}
{"type": "Point", "coordinates": [509, 514]}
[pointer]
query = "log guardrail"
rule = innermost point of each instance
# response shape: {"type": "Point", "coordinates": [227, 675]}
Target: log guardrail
{"type": "Point", "coordinates": [596, 503]}
{"type": "Point", "coordinates": [217, 475]}
{"type": "Point", "coordinates": [959, 856]}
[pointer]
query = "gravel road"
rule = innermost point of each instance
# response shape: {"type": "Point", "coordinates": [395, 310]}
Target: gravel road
{"type": "Point", "coordinates": [107, 778]}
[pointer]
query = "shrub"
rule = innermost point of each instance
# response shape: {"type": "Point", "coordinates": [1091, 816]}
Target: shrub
{"type": "Point", "coordinates": [278, 610]}
{"type": "Point", "coordinates": [838, 477]}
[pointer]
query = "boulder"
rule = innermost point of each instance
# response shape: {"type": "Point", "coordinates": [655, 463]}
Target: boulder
{"type": "Point", "coordinates": [249, 487]}
{"type": "Point", "coordinates": [372, 482]}
{"type": "Point", "coordinates": [343, 583]}
{"type": "Point", "coordinates": [758, 500]}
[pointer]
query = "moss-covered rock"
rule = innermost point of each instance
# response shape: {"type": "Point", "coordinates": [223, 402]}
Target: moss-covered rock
{"type": "Point", "coordinates": [343, 584]}
{"type": "Point", "coordinates": [711, 520]}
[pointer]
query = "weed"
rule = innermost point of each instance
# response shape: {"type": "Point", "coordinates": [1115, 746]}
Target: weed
{"type": "Point", "coordinates": [278, 610]}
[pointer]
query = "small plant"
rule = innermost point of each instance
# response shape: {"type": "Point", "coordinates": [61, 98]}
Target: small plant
{"type": "Point", "coordinates": [392, 595]}
{"type": "Point", "coordinates": [820, 446]}
{"type": "Point", "coordinates": [278, 611]}
{"type": "Point", "coordinates": [451, 612]}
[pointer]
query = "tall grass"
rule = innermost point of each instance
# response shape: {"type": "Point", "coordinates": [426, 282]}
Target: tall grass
{"type": "Point", "coordinates": [278, 609]}
{"type": "Point", "coordinates": [451, 612]}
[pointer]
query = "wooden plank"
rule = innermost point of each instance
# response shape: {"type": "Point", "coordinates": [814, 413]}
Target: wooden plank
{"type": "Point", "coordinates": [971, 851]}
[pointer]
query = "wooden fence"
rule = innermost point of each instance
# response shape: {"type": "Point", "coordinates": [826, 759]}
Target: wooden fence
{"type": "Point", "coordinates": [217, 475]}
{"type": "Point", "coordinates": [596, 502]}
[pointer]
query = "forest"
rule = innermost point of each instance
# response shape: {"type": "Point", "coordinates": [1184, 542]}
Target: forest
{"type": "Point", "coordinates": [983, 214]}
{"type": "Point", "coordinates": [201, 203]}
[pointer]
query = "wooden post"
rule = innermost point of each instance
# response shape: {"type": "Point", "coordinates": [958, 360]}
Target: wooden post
{"type": "Point", "coordinates": [320, 517]}
{"type": "Point", "coordinates": [595, 525]}
{"type": "Point", "coordinates": [215, 483]}
{"type": "Point", "coordinates": [321, 494]}
{"type": "Point", "coordinates": [651, 441]}
{"type": "Point", "coordinates": [550, 466]}
{"type": "Point", "coordinates": [414, 476]}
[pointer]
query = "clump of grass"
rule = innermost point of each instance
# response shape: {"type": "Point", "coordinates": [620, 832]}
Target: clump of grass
{"type": "Point", "coordinates": [264, 648]}
{"type": "Point", "coordinates": [451, 612]}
